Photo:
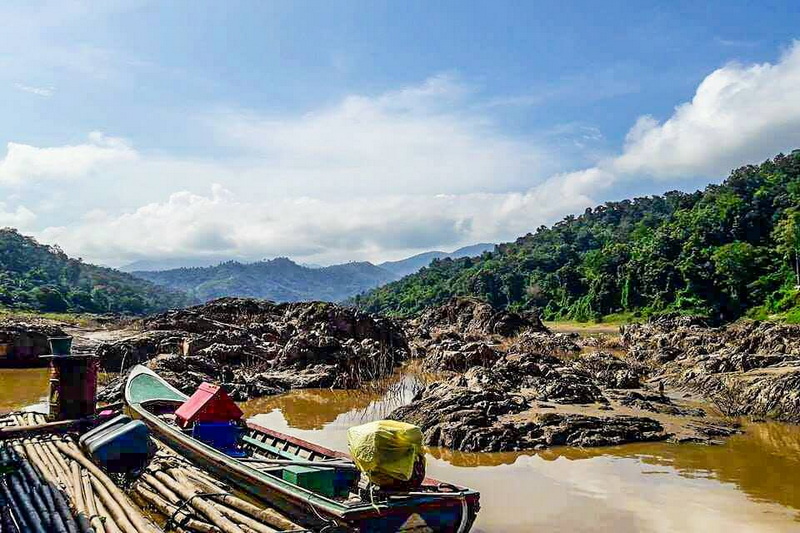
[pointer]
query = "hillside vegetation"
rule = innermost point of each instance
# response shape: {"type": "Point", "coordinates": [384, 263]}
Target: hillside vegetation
{"type": "Point", "coordinates": [280, 279]}
{"type": "Point", "coordinates": [37, 277]}
{"type": "Point", "coordinates": [726, 251]}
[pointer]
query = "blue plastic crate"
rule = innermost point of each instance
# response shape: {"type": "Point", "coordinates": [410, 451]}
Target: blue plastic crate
{"type": "Point", "coordinates": [223, 436]}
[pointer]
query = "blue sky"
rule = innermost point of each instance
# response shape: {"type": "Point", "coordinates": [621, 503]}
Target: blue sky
{"type": "Point", "coordinates": [331, 131]}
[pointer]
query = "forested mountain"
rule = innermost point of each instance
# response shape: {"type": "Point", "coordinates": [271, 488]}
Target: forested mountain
{"type": "Point", "coordinates": [279, 279]}
{"type": "Point", "coordinates": [38, 277]}
{"type": "Point", "coordinates": [412, 264]}
{"type": "Point", "coordinates": [725, 251]}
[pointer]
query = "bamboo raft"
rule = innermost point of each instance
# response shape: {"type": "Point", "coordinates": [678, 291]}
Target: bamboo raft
{"type": "Point", "coordinates": [51, 486]}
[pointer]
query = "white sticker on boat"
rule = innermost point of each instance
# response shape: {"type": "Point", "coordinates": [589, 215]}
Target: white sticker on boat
{"type": "Point", "coordinates": [416, 523]}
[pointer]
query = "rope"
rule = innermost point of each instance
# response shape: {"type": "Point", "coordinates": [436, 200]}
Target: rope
{"type": "Point", "coordinates": [331, 523]}
{"type": "Point", "coordinates": [171, 520]}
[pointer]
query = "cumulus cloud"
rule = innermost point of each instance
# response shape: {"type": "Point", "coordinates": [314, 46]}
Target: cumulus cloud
{"type": "Point", "coordinates": [19, 217]}
{"type": "Point", "coordinates": [222, 224]}
{"type": "Point", "coordinates": [378, 177]}
{"type": "Point", "coordinates": [738, 113]}
{"type": "Point", "coordinates": [25, 163]}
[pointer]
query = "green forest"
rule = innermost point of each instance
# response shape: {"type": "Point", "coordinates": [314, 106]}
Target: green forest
{"type": "Point", "coordinates": [37, 277]}
{"type": "Point", "coordinates": [725, 252]}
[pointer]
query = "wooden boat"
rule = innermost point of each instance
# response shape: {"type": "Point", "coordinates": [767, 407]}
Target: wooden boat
{"type": "Point", "coordinates": [434, 507]}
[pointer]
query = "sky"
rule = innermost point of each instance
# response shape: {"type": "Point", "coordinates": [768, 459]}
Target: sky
{"type": "Point", "coordinates": [331, 131]}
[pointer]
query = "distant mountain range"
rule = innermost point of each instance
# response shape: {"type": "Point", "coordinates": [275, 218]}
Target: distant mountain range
{"type": "Point", "coordinates": [283, 280]}
{"type": "Point", "coordinates": [412, 264]}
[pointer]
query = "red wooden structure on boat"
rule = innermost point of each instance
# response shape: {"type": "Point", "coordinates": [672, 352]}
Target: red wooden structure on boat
{"type": "Point", "coordinates": [210, 403]}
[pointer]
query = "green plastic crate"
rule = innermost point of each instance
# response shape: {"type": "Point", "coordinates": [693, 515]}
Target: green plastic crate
{"type": "Point", "coordinates": [319, 480]}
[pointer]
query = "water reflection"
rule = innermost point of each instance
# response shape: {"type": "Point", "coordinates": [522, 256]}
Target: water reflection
{"type": "Point", "coordinates": [747, 484]}
{"type": "Point", "coordinates": [20, 387]}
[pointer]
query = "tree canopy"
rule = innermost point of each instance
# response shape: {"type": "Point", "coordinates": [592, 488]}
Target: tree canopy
{"type": "Point", "coordinates": [728, 250]}
{"type": "Point", "coordinates": [43, 278]}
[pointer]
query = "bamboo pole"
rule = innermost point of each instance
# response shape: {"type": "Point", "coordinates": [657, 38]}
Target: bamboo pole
{"type": "Point", "coordinates": [169, 510]}
{"type": "Point", "coordinates": [110, 525]}
{"type": "Point", "coordinates": [243, 519]}
{"type": "Point", "coordinates": [115, 511]}
{"type": "Point", "coordinates": [33, 456]}
{"type": "Point", "coordinates": [91, 507]}
{"type": "Point", "coordinates": [266, 515]}
{"type": "Point", "coordinates": [100, 479]}
{"type": "Point", "coordinates": [202, 506]}
{"type": "Point", "coordinates": [59, 468]}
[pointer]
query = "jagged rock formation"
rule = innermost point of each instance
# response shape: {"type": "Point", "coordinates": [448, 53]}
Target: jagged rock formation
{"type": "Point", "coordinates": [531, 400]}
{"type": "Point", "coordinates": [473, 317]}
{"type": "Point", "coordinates": [26, 340]}
{"type": "Point", "coordinates": [256, 347]}
{"type": "Point", "coordinates": [748, 368]}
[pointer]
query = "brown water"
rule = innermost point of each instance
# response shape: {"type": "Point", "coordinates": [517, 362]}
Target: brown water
{"type": "Point", "coordinates": [750, 483]}
{"type": "Point", "coordinates": [20, 387]}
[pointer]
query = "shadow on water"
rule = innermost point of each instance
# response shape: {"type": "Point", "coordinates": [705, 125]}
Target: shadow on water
{"type": "Point", "coordinates": [749, 483]}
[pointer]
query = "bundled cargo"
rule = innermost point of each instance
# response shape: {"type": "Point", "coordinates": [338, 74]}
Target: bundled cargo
{"type": "Point", "coordinates": [389, 453]}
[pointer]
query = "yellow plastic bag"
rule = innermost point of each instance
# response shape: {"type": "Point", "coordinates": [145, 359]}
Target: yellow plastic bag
{"type": "Point", "coordinates": [386, 450]}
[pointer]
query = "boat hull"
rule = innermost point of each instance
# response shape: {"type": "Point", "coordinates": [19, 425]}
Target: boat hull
{"type": "Point", "coordinates": [452, 513]}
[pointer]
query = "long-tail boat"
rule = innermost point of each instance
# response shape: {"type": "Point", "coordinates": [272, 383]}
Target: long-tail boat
{"type": "Point", "coordinates": [351, 506]}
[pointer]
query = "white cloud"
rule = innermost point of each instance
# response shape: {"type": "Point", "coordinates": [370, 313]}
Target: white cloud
{"type": "Point", "coordinates": [20, 217]}
{"type": "Point", "coordinates": [26, 163]}
{"type": "Point", "coordinates": [378, 177]}
{"type": "Point", "coordinates": [45, 92]}
{"type": "Point", "coordinates": [222, 224]}
{"type": "Point", "coordinates": [738, 114]}
{"type": "Point", "coordinates": [416, 140]}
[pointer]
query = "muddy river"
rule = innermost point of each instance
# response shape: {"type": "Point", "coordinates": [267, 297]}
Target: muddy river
{"type": "Point", "coordinates": [751, 483]}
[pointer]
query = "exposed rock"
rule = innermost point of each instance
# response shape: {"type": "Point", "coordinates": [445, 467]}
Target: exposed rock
{"type": "Point", "coordinates": [463, 415]}
{"type": "Point", "coordinates": [27, 340]}
{"type": "Point", "coordinates": [263, 347]}
{"type": "Point", "coordinates": [608, 371]}
{"type": "Point", "coordinates": [458, 355]}
{"type": "Point", "coordinates": [748, 368]}
{"type": "Point", "coordinates": [473, 317]}
{"type": "Point", "coordinates": [546, 342]}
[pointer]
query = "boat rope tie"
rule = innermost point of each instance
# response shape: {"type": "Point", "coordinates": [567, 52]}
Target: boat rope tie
{"type": "Point", "coordinates": [171, 522]}
{"type": "Point", "coordinates": [331, 522]}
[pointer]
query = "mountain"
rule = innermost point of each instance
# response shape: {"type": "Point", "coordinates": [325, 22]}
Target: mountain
{"type": "Point", "coordinates": [279, 279]}
{"type": "Point", "coordinates": [39, 277]}
{"type": "Point", "coordinates": [726, 251]}
{"type": "Point", "coordinates": [170, 264]}
{"type": "Point", "coordinates": [412, 264]}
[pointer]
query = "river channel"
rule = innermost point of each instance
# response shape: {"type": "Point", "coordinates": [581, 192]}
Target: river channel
{"type": "Point", "coordinates": [750, 483]}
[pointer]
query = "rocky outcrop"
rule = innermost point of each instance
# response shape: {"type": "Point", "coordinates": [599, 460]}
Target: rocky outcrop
{"type": "Point", "coordinates": [256, 347]}
{"type": "Point", "coordinates": [533, 341]}
{"type": "Point", "coordinates": [748, 368]}
{"type": "Point", "coordinates": [471, 317]}
{"type": "Point", "coordinates": [493, 410]}
{"type": "Point", "coordinates": [25, 341]}
{"type": "Point", "coordinates": [533, 400]}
